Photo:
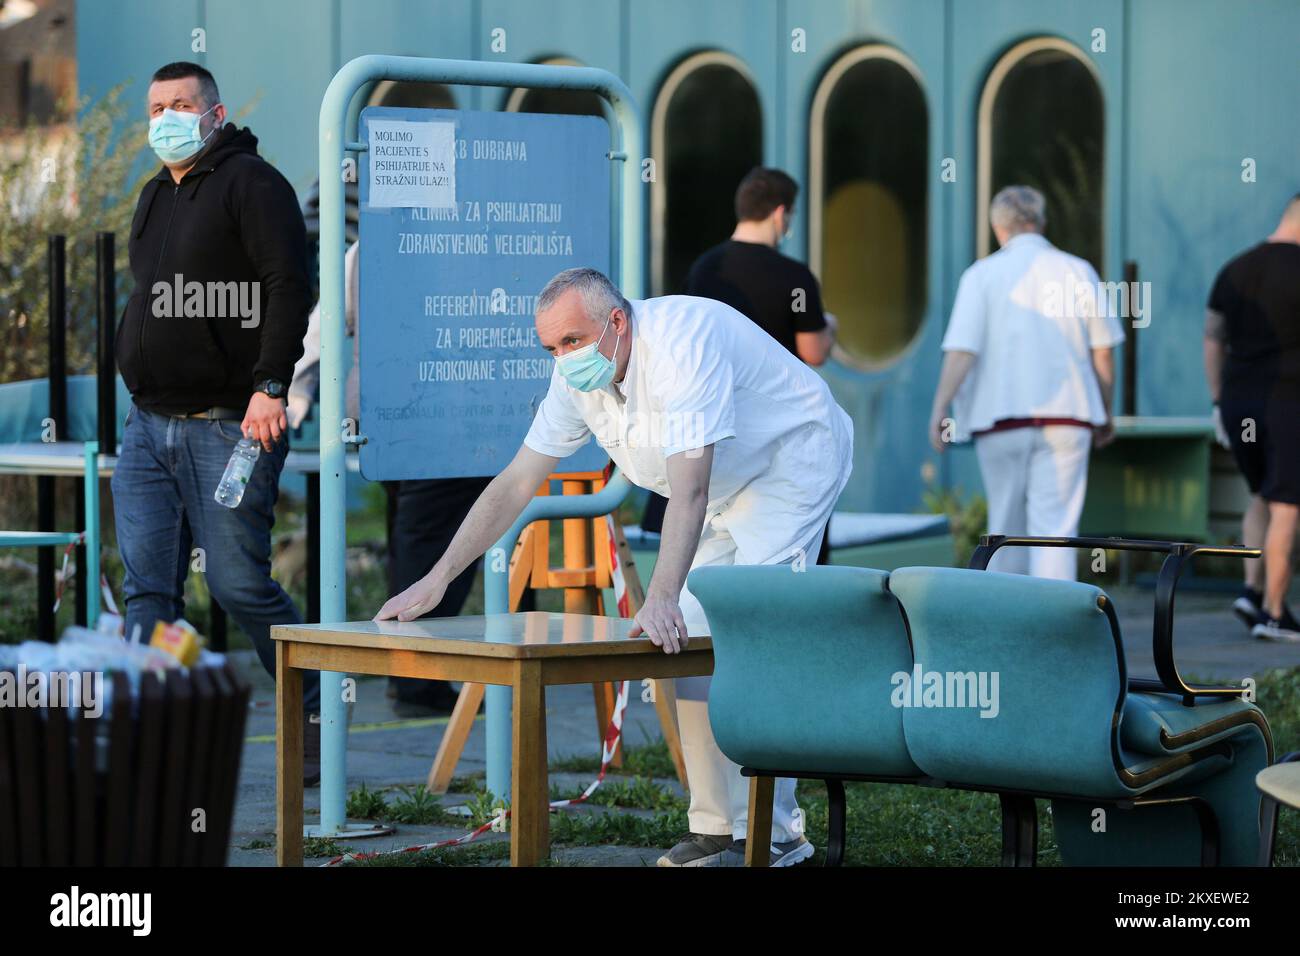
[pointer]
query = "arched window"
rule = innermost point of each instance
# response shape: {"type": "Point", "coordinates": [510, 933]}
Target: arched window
{"type": "Point", "coordinates": [430, 96]}
{"type": "Point", "coordinates": [568, 102]}
{"type": "Point", "coordinates": [706, 132]}
{"type": "Point", "coordinates": [869, 167]}
{"type": "Point", "coordinates": [1042, 124]}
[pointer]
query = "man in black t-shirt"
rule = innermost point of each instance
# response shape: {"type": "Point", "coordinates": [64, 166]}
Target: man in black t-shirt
{"type": "Point", "coordinates": [748, 274]}
{"type": "Point", "coordinates": [778, 293]}
{"type": "Point", "coordinates": [1252, 364]}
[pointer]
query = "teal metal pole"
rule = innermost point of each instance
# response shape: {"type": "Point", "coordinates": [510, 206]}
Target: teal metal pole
{"type": "Point", "coordinates": [335, 130]}
{"type": "Point", "coordinates": [496, 600]}
{"type": "Point", "coordinates": [92, 534]}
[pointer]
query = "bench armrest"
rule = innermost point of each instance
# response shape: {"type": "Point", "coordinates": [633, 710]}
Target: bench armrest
{"type": "Point", "coordinates": [1179, 553]}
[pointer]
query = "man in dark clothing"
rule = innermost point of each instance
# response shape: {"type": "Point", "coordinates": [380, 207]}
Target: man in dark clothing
{"type": "Point", "coordinates": [207, 345]}
{"type": "Point", "coordinates": [1252, 365]}
{"type": "Point", "coordinates": [425, 517]}
{"type": "Point", "coordinates": [748, 274]}
{"type": "Point", "coordinates": [778, 293]}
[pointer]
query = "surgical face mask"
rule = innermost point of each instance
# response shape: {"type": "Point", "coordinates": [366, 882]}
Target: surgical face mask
{"type": "Point", "coordinates": [586, 369]}
{"type": "Point", "coordinates": [174, 135]}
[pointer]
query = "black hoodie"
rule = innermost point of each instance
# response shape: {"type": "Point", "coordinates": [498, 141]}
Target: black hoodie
{"type": "Point", "coordinates": [230, 222]}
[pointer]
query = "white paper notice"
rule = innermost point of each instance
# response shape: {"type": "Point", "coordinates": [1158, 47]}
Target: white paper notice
{"type": "Point", "coordinates": [412, 164]}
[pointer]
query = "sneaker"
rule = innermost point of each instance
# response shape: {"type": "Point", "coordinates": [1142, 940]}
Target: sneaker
{"type": "Point", "coordinates": [1249, 607]}
{"type": "Point", "coordinates": [697, 849]}
{"type": "Point", "coordinates": [781, 854]}
{"type": "Point", "coordinates": [1285, 628]}
{"type": "Point", "coordinates": [311, 751]}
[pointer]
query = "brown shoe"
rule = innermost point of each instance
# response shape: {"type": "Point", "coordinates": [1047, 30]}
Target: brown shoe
{"type": "Point", "coordinates": [311, 751]}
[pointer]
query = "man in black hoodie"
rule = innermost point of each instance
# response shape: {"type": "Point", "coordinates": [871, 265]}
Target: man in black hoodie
{"type": "Point", "coordinates": [207, 346]}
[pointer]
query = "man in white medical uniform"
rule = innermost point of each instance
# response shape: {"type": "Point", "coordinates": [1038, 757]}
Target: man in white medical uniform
{"type": "Point", "coordinates": [694, 401]}
{"type": "Point", "coordinates": [1028, 368]}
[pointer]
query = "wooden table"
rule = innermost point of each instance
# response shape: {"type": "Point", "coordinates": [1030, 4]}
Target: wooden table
{"type": "Point", "coordinates": [1278, 784]}
{"type": "Point", "coordinates": [526, 651]}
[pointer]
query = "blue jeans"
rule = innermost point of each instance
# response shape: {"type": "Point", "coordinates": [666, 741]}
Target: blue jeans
{"type": "Point", "coordinates": [162, 502]}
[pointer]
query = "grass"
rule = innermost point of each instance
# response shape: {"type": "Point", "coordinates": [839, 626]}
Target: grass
{"type": "Point", "coordinates": [418, 806]}
{"type": "Point", "coordinates": [639, 792]}
{"type": "Point", "coordinates": [649, 760]}
{"type": "Point", "coordinates": [317, 847]}
{"type": "Point", "coordinates": [1279, 698]}
{"type": "Point", "coordinates": [471, 854]}
{"type": "Point", "coordinates": [888, 825]}
{"type": "Point", "coordinates": [366, 804]}
{"type": "Point", "coordinates": [621, 829]}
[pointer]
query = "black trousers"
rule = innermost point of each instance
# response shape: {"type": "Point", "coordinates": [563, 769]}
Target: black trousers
{"type": "Point", "coordinates": [423, 516]}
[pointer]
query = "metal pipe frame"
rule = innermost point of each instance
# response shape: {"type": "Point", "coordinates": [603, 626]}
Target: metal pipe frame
{"type": "Point", "coordinates": [1180, 553]}
{"type": "Point", "coordinates": [338, 135]}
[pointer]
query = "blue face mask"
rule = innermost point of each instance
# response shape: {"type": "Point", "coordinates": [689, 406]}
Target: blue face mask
{"type": "Point", "coordinates": [174, 135]}
{"type": "Point", "coordinates": [586, 369]}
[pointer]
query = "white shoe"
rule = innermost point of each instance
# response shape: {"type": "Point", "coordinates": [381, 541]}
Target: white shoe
{"type": "Point", "coordinates": [781, 854]}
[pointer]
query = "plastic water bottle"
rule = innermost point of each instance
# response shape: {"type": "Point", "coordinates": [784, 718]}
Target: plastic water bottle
{"type": "Point", "coordinates": [238, 470]}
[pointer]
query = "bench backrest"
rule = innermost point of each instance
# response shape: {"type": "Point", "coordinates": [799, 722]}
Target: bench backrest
{"type": "Point", "coordinates": [802, 668]}
{"type": "Point", "coordinates": [1046, 664]}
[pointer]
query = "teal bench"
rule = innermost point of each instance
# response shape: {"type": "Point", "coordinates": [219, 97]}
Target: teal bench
{"type": "Point", "coordinates": [886, 687]}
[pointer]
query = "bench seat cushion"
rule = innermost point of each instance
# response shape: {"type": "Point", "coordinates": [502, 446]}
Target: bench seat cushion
{"type": "Point", "coordinates": [1159, 724]}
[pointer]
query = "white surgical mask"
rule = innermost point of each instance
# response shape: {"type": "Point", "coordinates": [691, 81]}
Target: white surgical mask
{"type": "Point", "coordinates": [174, 135]}
{"type": "Point", "coordinates": [587, 368]}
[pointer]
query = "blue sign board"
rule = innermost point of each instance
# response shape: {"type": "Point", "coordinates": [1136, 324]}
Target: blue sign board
{"type": "Point", "coordinates": [472, 213]}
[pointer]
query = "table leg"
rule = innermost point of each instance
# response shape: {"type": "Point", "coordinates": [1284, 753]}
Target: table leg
{"type": "Point", "coordinates": [759, 836]}
{"type": "Point", "coordinates": [530, 825]}
{"type": "Point", "coordinates": [288, 760]}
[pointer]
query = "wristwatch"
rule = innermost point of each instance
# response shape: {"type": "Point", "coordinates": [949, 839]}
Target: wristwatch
{"type": "Point", "coordinates": [271, 387]}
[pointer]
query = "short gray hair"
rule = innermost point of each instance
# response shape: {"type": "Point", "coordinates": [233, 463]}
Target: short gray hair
{"type": "Point", "coordinates": [1018, 208]}
{"type": "Point", "coordinates": [600, 297]}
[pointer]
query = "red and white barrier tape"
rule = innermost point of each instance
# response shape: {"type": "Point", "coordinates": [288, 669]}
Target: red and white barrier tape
{"type": "Point", "coordinates": [104, 589]}
{"type": "Point", "coordinates": [63, 571]}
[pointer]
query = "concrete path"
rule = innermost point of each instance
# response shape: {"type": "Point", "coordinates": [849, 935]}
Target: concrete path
{"type": "Point", "coordinates": [385, 751]}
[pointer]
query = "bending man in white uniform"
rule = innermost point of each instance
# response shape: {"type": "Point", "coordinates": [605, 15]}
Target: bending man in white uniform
{"type": "Point", "coordinates": [694, 401]}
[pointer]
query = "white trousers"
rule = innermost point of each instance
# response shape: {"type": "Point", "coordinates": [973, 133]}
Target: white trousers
{"type": "Point", "coordinates": [719, 793]}
{"type": "Point", "coordinates": [1035, 480]}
